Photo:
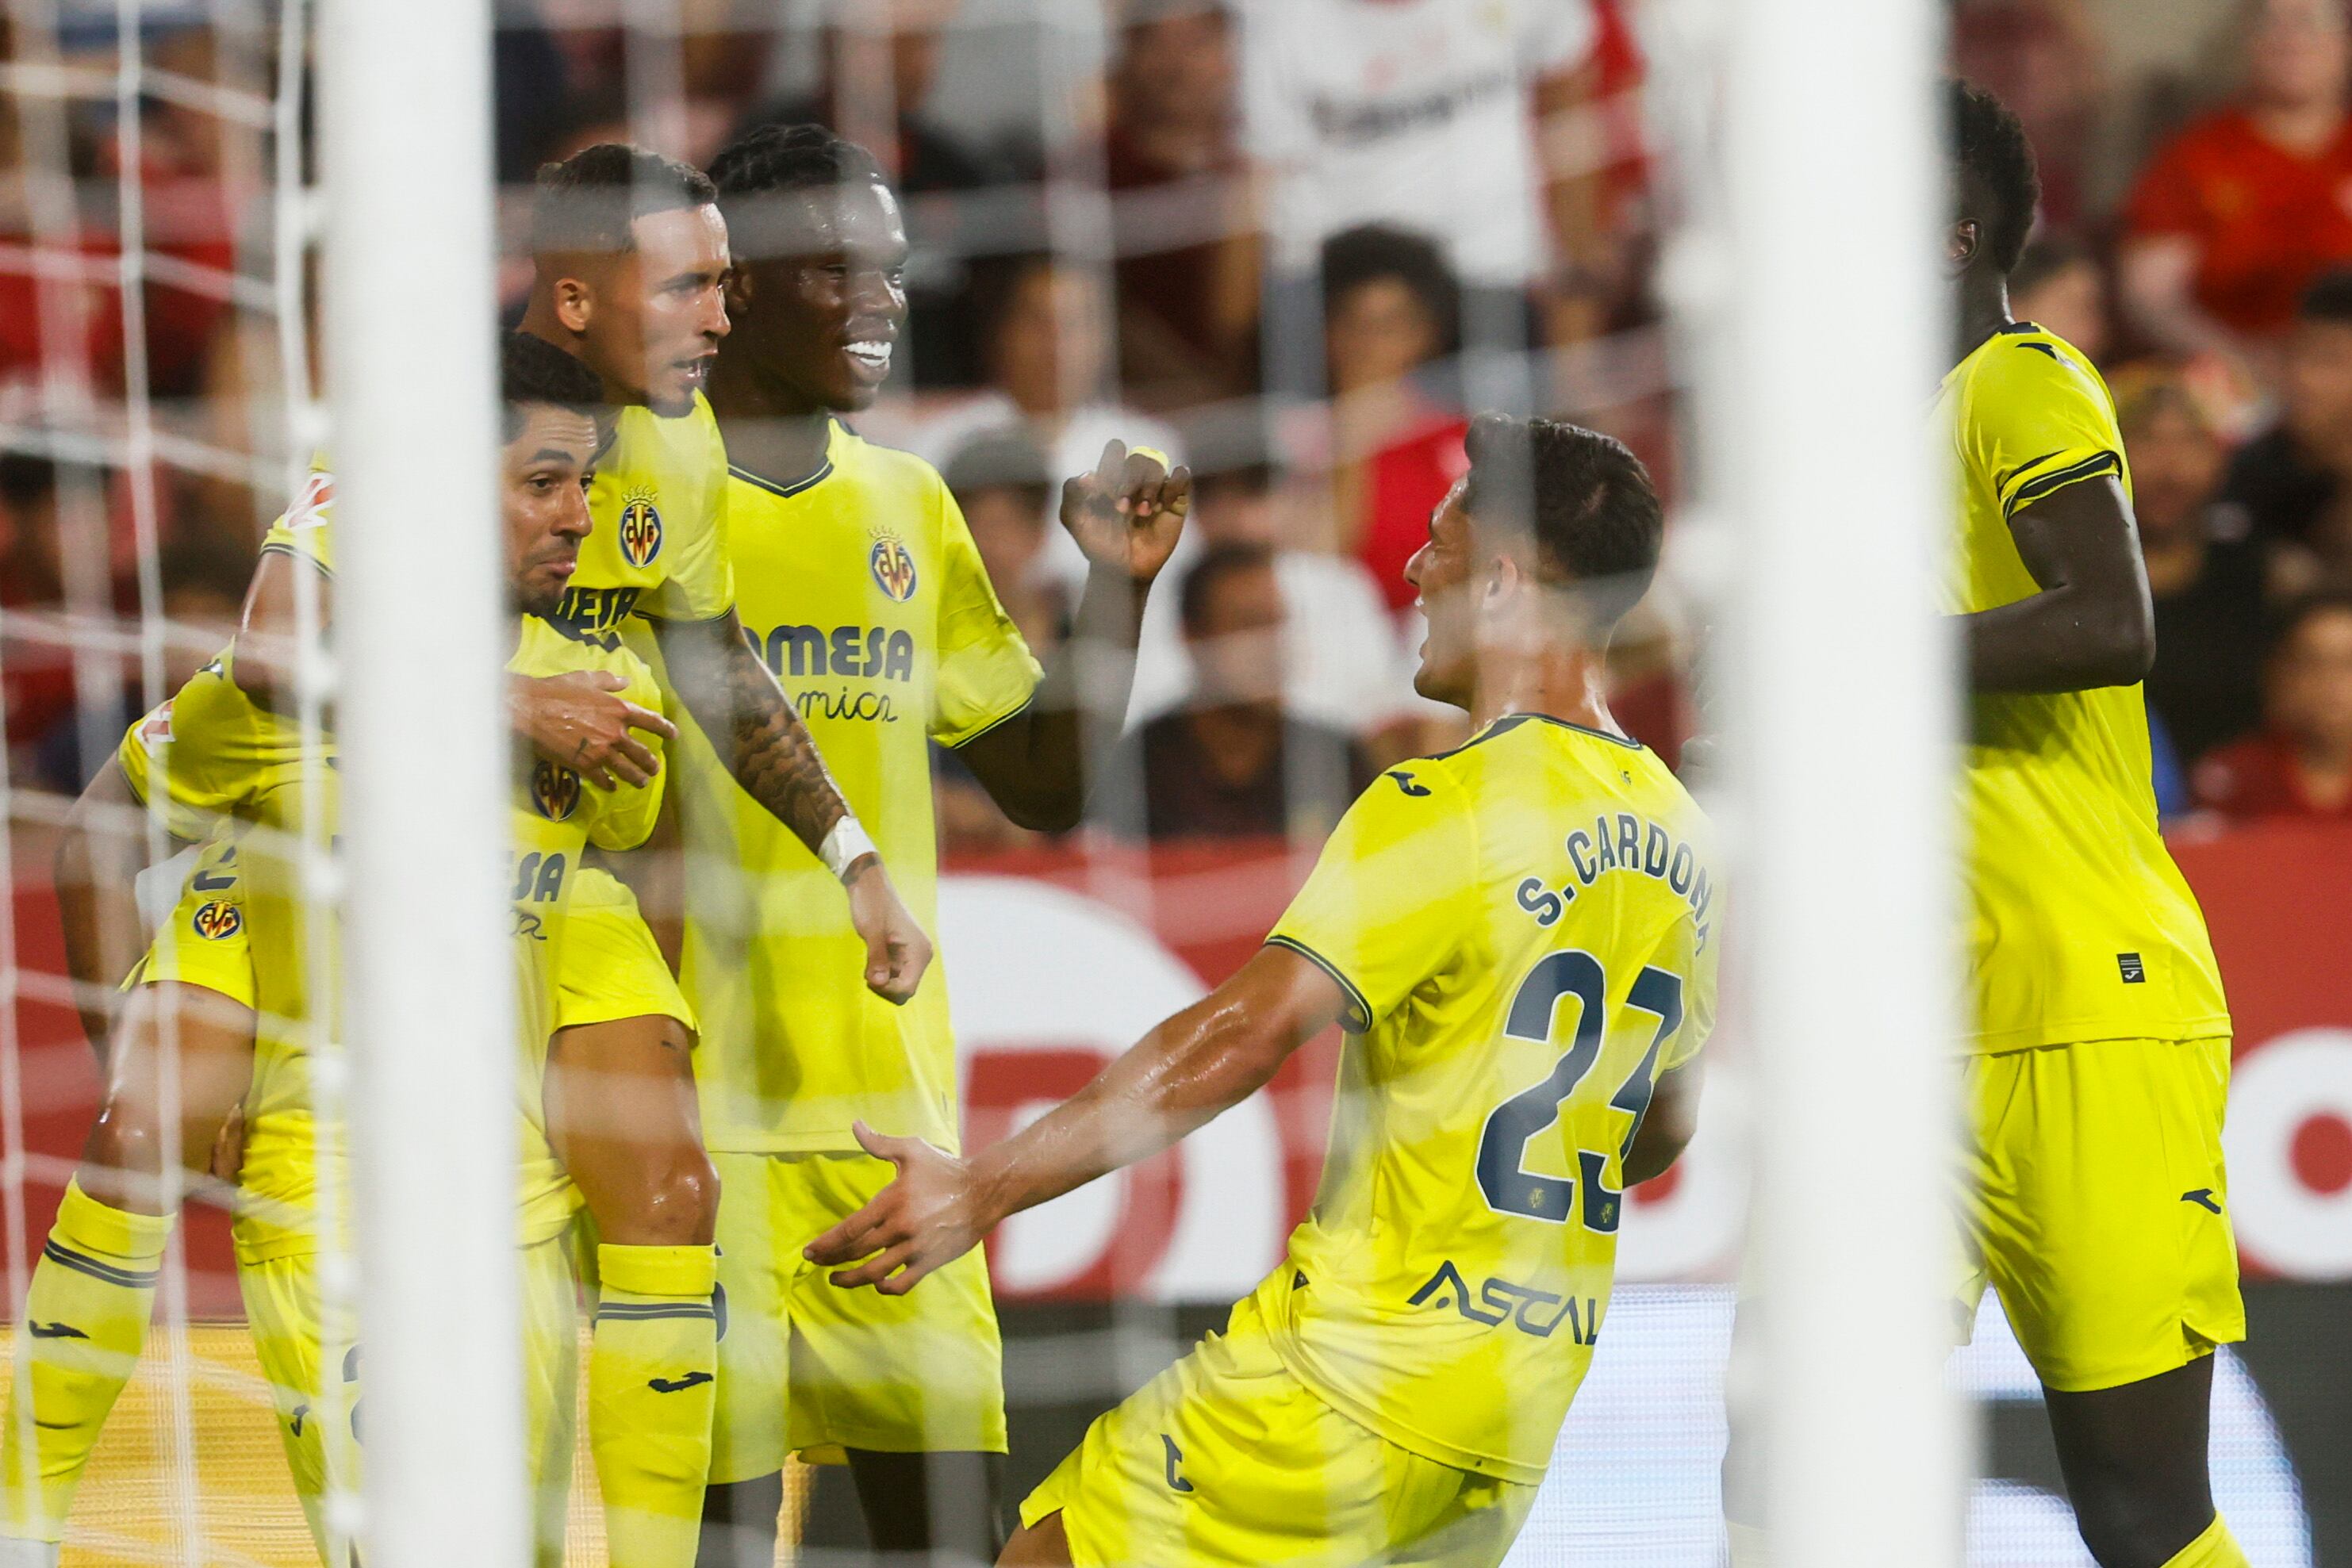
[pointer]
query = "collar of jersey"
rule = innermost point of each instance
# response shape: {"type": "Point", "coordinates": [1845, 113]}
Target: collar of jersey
{"type": "Point", "coordinates": [1511, 721]}
{"type": "Point", "coordinates": [823, 471]}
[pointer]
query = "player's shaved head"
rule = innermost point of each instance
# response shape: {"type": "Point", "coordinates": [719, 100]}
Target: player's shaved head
{"type": "Point", "coordinates": [1580, 504]}
{"type": "Point", "coordinates": [1996, 184]}
{"type": "Point", "coordinates": [630, 256]}
{"type": "Point", "coordinates": [589, 203]}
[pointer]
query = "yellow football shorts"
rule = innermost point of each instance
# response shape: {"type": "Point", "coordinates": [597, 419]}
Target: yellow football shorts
{"type": "Point", "coordinates": [607, 965]}
{"type": "Point", "coordinates": [205, 942]}
{"type": "Point", "coordinates": [283, 1308]}
{"type": "Point", "coordinates": [2097, 1206]}
{"type": "Point", "coordinates": [1227, 1458]}
{"type": "Point", "coordinates": [809, 1368]}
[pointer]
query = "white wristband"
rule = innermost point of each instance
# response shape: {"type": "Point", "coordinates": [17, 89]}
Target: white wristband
{"type": "Point", "coordinates": [846, 845]}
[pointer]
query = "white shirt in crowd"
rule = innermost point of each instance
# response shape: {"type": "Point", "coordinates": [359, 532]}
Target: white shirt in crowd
{"type": "Point", "coordinates": [1414, 113]}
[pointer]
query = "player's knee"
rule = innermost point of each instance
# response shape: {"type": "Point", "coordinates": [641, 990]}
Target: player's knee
{"type": "Point", "coordinates": [125, 1143]}
{"type": "Point", "coordinates": [2124, 1528]}
{"type": "Point", "coordinates": [676, 1205]}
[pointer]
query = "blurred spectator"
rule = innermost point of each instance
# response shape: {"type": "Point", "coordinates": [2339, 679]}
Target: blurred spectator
{"type": "Point", "coordinates": [2206, 577]}
{"type": "Point", "coordinates": [1423, 114]}
{"type": "Point", "coordinates": [1234, 762]}
{"type": "Point", "coordinates": [1045, 329]}
{"type": "Point", "coordinates": [1183, 223]}
{"type": "Point", "coordinates": [2291, 480]}
{"type": "Point", "coordinates": [203, 589]}
{"type": "Point", "coordinates": [1000, 481]}
{"type": "Point", "coordinates": [2043, 59]}
{"type": "Point", "coordinates": [2301, 763]}
{"type": "Point", "coordinates": [2238, 212]}
{"type": "Point", "coordinates": [878, 60]}
{"type": "Point", "coordinates": [2058, 286]}
{"type": "Point", "coordinates": [37, 676]}
{"type": "Point", "coordinates": [1343, 667]}
{"type": "Point", "coordinates": [1395, 452]}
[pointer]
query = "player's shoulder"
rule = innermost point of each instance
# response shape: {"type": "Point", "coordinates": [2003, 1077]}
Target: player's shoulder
{"type": "Point", "coordinates": [2026, 364]}
{"type": "Point", "coordinates": [870, 463]}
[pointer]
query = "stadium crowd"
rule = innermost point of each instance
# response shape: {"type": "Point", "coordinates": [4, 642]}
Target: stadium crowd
{"type": "Point", "coordinates": [1289, 241]}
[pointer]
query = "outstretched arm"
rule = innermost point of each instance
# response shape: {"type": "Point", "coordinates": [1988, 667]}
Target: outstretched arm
{"type": "Point", "coordinates": [750, 723]}
{"type": "Point", "coordinates": [100, 856]}
{"type": "Point", "coordinates": [1201, 1062]}
{"type": "Point", "coordinates": [2091, 624]}
{"type": "Point", "coordinates": [574, 720]}
{"type": "Point", "coordinates": [1127, 516]}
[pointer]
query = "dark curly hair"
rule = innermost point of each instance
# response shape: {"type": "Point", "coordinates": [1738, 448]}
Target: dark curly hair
{"type": "Point", "coordinates": [532, 370]}
{"type": "Point", "coordinates": [1989, 140]}
{"type": "Point", "coordinates": [586, 202]}
{"type": "Point", "coordinates": [1582, 497]}
{"type": "Point", "coordinates": [775, 159]}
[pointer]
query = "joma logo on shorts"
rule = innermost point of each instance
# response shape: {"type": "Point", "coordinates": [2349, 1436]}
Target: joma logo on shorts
{"type": "Point", "coordinates": [1529, 1311]}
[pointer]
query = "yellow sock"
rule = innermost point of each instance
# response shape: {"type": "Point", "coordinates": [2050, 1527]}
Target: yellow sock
{"type": "Point", "coordinates": [650, 1394]}
{"type": "Point", "coordinates": [85, 1323]}
{"type": "Point", "coordinates": [2217, 1548]}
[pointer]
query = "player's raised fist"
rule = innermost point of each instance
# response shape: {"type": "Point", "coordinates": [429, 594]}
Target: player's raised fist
{"type": "Point", "coordinates": [1129, 513]}
{"type": "Point", "coordinates": [929, 1215]}
{"type": "Point", "coordinates": [575, 720]}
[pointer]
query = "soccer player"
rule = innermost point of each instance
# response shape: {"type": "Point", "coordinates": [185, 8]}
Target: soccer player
{"type": "Point", "coordinates": [1520, 939]}
{"type": "Point", "coordinates": [863, 592]}
{"type": "Point", "coordinates": [620, 1146]}
{"type": "Point", "coordinates": [630, 255]}
{"type": "Point", "coordinates": [2100, 1059]}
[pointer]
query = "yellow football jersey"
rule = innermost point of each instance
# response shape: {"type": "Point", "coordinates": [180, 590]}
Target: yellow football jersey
{"type": "Point", "coordinates": [863, 591]}
{"type": "Point", "coordinates": [1524, 933]}
{"type": "Point", "coordinates": [228, 757]}
{"type": "Point", "coordinates": [2081, 927]}
{"type": "Point", "coordinates": [659, 548]}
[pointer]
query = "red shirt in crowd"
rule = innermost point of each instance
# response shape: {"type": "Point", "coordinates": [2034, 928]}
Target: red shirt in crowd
{"type": "Point", "coordinates": [2257, 776]}
{"type": "Point", "coordinates": [2266, 220]}
{"type": "Point", "coordinates": [1408, 478]}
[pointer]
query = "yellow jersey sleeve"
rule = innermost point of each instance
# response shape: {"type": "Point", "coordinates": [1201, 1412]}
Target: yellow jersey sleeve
{"type": "Point", "coordinates": [1393, 894]}
{"type": "Point", "coordinates": [305, 529]}
{"type": "Point", "coordinates": [699, 582]}
{"type": "Point", "coordinates": [986, 672]}
{"type": "Point", "coordinates": [2037, 422]}
{"type": "Point", "coordinates": [211, 775]}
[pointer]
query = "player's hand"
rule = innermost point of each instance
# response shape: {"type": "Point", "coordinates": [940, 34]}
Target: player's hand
{"type": "Point", "coordinates": [575, 721]}
{"type": "Point", "coordinates": [1129, 513]}
{"type": "Point", "coordinates": [897, 951]}
{"type": "Point", "coordinates": [227, 1160]}
{"type": "Point", "coordinates": [929, 1215]}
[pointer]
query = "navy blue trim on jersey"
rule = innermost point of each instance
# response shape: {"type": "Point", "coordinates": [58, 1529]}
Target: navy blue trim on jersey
{"type": "Point", "coordinates": [824, 472]}
{"type": "Point", "coordinates": [2097, 465]}
{"type": "Point", "coordinates": [82, 1263]}
{"type": "Point", "coordinates": [2014, 328]}
{"type": "Point", "coordinates": [1510, 722]}
{"type": "Point", "coordinates": [1002, 719]}
{"type": "Point", "coordinates": [1357, 1018]}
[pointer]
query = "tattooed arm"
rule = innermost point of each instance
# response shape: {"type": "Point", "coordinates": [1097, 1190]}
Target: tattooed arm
{"type": "Point", "coordinates": [751, 725]}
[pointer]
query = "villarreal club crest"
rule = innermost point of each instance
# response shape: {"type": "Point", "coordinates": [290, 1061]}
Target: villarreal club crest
{"type": "Point", "coordinates": [216, 920]}
{"type": "Point", "coordinates": [554, 790]}
{"type": "Point", "coordinates": [893, 567]}
{"type": "Point", "coordinates": [640, 533]}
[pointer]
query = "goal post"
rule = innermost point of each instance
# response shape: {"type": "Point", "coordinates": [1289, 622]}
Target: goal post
{"type": "Point", "coordinates": [409, 322]}
{"type": "Point", "coordinates": [1833, 325]}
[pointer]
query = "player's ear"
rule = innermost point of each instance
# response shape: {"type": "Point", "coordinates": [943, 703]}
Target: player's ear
{"type": "Point", "coordinates": [1961, 242]}
{"type": "Point", "coordinates": [575, 302]}
{"type": "Point", "coordinates": [739, 289]}
{"type": "Point", "coordinates": [1503, 578]}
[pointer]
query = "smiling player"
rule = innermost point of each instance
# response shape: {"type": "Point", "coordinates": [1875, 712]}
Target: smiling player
{"type": "Point", "coordinates": [862, 588]}
{"type": "Point", "coordinates": [1519, 938]}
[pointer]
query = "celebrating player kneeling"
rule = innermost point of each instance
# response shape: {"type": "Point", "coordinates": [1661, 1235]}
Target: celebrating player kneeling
{"type": "Point", "coordinates": [1518, 937]}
